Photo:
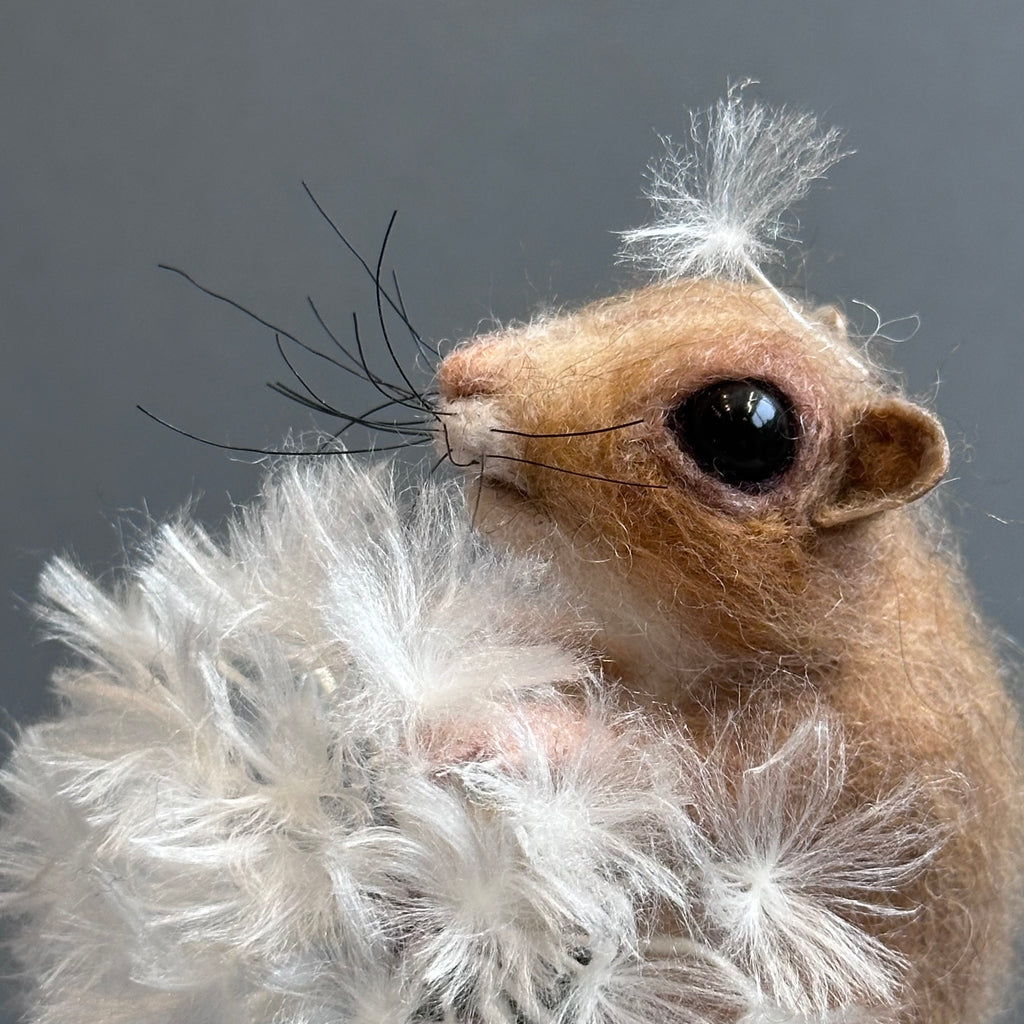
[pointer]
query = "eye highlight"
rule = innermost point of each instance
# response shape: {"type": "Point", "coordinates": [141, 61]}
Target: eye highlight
{"type": "Point", "coordinates": [742, 432]}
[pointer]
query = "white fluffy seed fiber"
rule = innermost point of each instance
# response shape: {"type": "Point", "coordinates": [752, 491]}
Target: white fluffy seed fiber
{"type": "Point", "coordinates": [330, 770]}
{"type": "Point", "coordinates": [722, 200]}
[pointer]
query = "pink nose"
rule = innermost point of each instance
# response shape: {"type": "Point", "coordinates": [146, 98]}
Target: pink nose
{"type": "Point", "coordinates": [473, 370]}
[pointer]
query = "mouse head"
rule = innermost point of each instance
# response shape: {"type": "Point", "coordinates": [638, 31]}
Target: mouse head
{"type": "Point", "coordinates": [700, 442]}
{"type": "Point", "coordinates": [713, 464]}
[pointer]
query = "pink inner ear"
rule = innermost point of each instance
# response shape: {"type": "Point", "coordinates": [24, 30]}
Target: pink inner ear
{"type": "Point", "coordinates": [555, 732]}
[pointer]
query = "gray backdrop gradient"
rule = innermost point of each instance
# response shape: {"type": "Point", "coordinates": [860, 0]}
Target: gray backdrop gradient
{"type": "Point", "coordinates": [512, 138]}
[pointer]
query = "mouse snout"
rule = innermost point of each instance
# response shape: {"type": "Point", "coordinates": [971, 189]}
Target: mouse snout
{"type": "Point", "coordinates": [474, 429]}
{"type": "Point", "coordinates": [477, 369]}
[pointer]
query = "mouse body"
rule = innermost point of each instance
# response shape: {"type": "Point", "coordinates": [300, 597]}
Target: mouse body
{"type": "Point", "coordinates": [733, 595]}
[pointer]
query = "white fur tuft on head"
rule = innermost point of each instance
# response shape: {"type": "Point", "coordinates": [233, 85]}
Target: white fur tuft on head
{"type": "Point", "coordinates": [721, 203]}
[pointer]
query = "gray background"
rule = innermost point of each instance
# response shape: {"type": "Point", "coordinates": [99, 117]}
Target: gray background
{"type": "Point", "coordinates": [512, 137]}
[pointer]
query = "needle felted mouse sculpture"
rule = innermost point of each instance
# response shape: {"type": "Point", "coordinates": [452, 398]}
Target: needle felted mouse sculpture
{"type": "Point", "coordinates": [680, 712]}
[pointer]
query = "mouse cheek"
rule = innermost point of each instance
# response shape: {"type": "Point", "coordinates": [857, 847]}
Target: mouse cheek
{"type": "Point", "coordinates": [736, 579]}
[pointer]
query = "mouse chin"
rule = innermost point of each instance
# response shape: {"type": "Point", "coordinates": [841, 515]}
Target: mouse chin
{"type": "Point", "coordinates": [505, 513]}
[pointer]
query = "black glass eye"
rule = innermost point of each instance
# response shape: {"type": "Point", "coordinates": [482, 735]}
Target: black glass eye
{"type": "Point", "coordinates": [744, 432]}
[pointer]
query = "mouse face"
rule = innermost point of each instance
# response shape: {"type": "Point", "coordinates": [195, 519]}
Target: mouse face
{"type": "Point", "coordinates": [699, 449]}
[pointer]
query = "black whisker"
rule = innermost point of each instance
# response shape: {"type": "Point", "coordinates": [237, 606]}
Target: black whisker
{"type": "Point", "coordinates": [479, 490]}
{"type": "Point", "coordinates": [398, 310]}
{"type": "Point", "coordinates": [425, 347]}
{"type": "Point", "coordinates": [576, 472]}
{"type": "Point", "coordinates": [544, 465]}
{"type": "Point", "coordinates": [414, 431]}
{"type": "Point", "coordinates": [372, 379]}
{"type": "Point", "coordinates": [414, 426]}
{"type": "Point", "coordinates": [296, 396]}
{"type": "Point", "coordinates": [317, 404]}
{"type": "Point", "coordinates": [324, 408]}
{"type": "Point", "coordinates": [423, 435]}
{"type": "Point", "coordinates": [568, 433]}
{"type": "Point", "coordinates": [422, 406]}
{"type": "Point", "coordinates": [286, 391]}
{"type": "Point", "coordinates": [380, 293]}
{"type": "Point", "coordinates": [299, 453]}
{"type": "Point", "coordinates": [235, 304]}
{"type": "Point", "coordinates": [358, 369]}
{"type": "Point", "coordinates": [395, 394]}
{"type": "Point", "coordinates": [394, 423]}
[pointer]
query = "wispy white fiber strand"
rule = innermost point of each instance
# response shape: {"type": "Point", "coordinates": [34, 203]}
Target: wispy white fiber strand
{"type": "Point", "coordinates": [721, 203]}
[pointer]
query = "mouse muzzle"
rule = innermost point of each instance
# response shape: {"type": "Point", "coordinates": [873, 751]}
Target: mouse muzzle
{"type": "Point", "coordinates": [473, 431]}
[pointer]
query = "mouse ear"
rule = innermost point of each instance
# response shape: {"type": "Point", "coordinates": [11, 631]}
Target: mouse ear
{"type": "Point", "coordinates": [895, 453]}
